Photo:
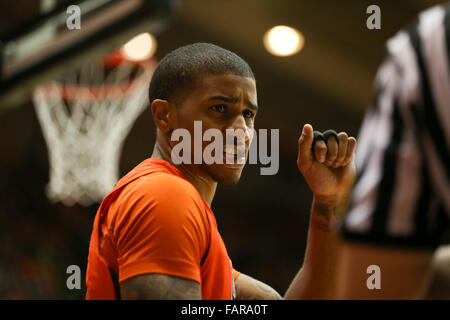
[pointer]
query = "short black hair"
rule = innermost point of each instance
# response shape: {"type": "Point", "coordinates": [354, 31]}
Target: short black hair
{"type": "Point", "coordinates": [179, 70]}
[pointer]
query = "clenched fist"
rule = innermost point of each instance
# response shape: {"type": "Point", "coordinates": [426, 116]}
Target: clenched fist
{"type": "Point", "coordinates": [328, 168]}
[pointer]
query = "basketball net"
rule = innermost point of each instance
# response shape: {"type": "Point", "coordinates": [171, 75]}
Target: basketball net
{"type": "Point", "coordinates": [85, 119]}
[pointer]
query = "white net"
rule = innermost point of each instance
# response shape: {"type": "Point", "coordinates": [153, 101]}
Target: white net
{"type": "Point", "coordinates": [85, 127]}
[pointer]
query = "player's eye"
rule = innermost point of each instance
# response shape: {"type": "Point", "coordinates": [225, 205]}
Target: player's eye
{"type": "Point", "coordinates": [218, 108]}
{"type": "Point", "coordinates": [248, 114]}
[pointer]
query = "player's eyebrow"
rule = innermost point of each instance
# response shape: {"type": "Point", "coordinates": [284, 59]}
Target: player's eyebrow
{"type": "Point", "coordinates": [234, 100]}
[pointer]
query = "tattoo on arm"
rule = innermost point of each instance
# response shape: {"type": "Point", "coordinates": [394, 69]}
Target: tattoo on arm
{"type": "Point", "coordinates": [160, 287]}
{"type": "Point", "coordinates": [328, 217]}
{"type": "Point", "coordinates": [248, 288]}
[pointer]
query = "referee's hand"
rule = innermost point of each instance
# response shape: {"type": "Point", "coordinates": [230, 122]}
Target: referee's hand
{"type": "Point", "coordinates": [328, 168]}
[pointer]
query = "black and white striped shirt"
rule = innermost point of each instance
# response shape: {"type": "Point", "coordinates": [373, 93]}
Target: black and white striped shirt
{"type": "Point", "coordinates": [402, 194]}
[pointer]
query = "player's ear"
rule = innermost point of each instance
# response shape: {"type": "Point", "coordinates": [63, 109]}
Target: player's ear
{"type": "Point", "coordinates": [163, 115]}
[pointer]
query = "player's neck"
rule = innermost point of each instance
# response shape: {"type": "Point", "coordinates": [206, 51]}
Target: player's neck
{"type": "Point", "coordinates": [205, 186]}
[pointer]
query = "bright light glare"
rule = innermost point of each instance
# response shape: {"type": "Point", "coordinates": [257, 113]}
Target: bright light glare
{"type": "Point", "coordinates": [141, 47]}
{"type": "Point", "coordinates": [283, 41]}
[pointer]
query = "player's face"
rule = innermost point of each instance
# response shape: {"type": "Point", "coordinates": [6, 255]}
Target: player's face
{"type": "Point", "coordinates": [222, 102]}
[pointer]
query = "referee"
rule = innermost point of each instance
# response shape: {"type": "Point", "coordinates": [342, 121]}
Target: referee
{"type": "Point", "coordinates": [400, 207]}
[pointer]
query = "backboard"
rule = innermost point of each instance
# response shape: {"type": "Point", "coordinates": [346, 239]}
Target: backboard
{"type": "Point", "coordinates": [36, 51]}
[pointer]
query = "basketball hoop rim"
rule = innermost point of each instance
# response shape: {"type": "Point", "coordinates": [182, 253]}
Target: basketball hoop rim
{"type": "Point", "coordinates": [74, 92]}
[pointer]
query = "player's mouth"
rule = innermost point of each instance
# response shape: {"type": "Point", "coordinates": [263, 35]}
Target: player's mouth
{"type": "Point", "coordinates": [234, 156]}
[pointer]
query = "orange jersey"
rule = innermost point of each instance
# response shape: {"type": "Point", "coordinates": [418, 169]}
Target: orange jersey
{"type": "Point", "coordinates": [155, 221]}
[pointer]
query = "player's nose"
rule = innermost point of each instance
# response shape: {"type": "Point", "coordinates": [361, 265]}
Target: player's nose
{"type": "Point", "coordinates": [240, 130]}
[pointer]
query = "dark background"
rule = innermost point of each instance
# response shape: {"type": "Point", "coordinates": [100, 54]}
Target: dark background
{"type": "Point", "coordinates": [264, 219]}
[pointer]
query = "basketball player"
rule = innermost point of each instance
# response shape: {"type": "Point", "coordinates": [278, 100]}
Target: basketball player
{"type": "Point", "coordinates": [155, 235]}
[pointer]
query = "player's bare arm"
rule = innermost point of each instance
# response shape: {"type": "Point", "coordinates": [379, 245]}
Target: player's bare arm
{"type": "Point", "coordinates": [248, 288]}
{"type": "Point", "coordinates": [329, 171]}
{"type": "Point", "coordinates": [160, 287]}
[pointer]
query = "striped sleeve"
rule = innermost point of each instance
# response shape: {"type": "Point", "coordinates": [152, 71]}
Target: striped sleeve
{"type": "Point", "coordinates": [402, 194]}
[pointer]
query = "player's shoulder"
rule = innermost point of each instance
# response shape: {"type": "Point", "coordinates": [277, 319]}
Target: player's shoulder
{"type": "Point", "coordinates": [161, 203]}
{"type": "Point", "coordinates": [162, 188]}
{"type": "Point", "coordinates": [160, 199]}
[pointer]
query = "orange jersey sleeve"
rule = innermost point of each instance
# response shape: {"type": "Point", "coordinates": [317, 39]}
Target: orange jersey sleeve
{"type": "Point", "coordinates": [160, 227]}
